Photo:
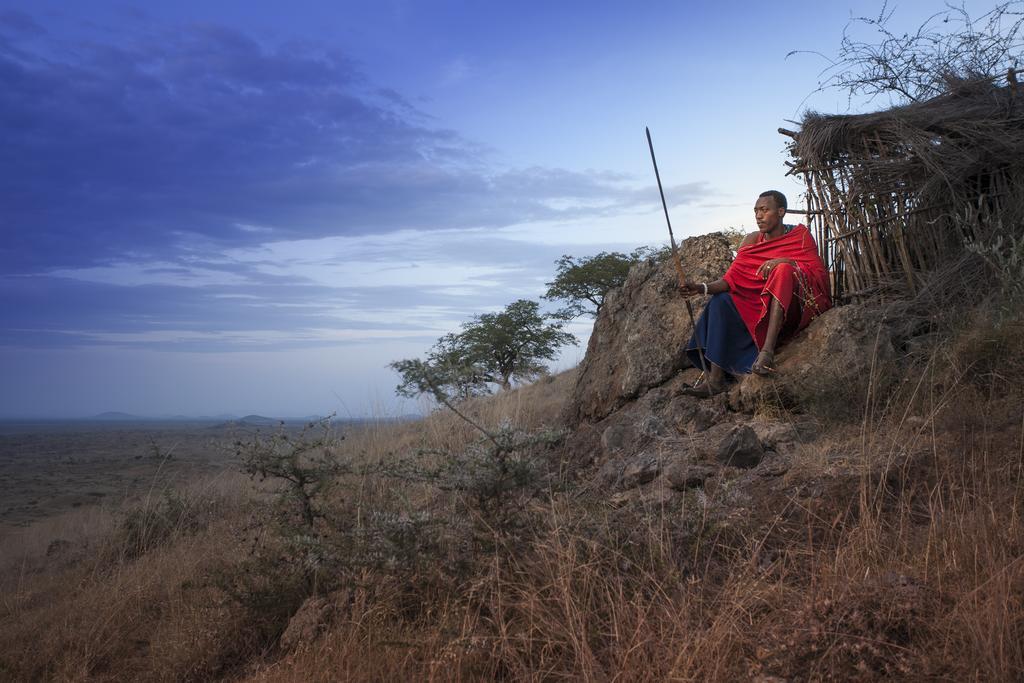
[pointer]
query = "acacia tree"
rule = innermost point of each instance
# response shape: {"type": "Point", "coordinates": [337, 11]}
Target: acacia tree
{"type": "Point", "coordinates": [584, 282]}
{"type": "Point", "coordinates": [493, 348]}
{"type": "Point", "coordinates": [447, 372]}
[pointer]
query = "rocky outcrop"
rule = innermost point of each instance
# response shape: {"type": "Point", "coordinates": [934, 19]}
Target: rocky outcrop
{"type": "Point", "coordinates": [639, 439]}
{"type": "Point", "coordinates": [638, 337]}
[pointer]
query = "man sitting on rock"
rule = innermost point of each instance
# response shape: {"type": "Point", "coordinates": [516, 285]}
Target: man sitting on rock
{"type": "Point", "coordinates": [775, 286]}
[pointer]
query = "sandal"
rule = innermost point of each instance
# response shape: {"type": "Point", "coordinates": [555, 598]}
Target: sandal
{"type": "Point", "coordinates": [764, 363]}
{"type": "Point", "coordinates": [704, 389]}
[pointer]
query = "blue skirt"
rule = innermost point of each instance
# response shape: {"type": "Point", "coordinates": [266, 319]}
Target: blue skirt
{"type": "Point", "coordinates": [723, 336]}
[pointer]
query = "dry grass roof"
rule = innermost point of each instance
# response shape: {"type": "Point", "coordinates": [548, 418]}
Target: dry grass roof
{"type": "Point", "coordinates": [896, 193]}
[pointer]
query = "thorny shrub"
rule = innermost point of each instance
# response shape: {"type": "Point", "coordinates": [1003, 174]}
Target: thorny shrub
{"type": "Point", "coordinates": [1005, 259]}
{"type": "Point", "coordinates": [338, 520]}
{"type": "Point", "coordinates": [152, 525]}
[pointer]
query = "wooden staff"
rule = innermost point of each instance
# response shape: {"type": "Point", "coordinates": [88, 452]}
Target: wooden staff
{"type": "Point", "coordinates": [677, 260]}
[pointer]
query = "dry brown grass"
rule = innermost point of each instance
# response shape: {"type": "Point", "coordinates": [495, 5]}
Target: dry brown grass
{"type": "Point", "coordinates": [87, 601]}
{"type": "Point", "coordinates": [531, 407]}
{"type": "Point", "coordinates": [906, 564]}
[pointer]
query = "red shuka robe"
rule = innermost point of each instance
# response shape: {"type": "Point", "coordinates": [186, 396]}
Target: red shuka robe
{"type": "Point", "coordinates": [752, 294]}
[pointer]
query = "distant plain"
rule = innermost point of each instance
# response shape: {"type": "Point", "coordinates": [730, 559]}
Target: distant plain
{"type": "Point", "coordinates": [49, 468]}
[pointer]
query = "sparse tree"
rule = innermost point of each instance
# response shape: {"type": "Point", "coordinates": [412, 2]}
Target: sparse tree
{"type": "Point", "coordinates": [304, 465]}
{"type": "Point", "coordinates": [584, 282]}
{"type": "Point", "coordinates": [493, 348]}
{"type": "Point", "coordinates": [445, 374]}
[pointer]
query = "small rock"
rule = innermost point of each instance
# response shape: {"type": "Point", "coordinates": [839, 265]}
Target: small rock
{"type": "Point", "coordinates": [617, 438]}
{"type": "Point", "coordinates": [652, 426]}
{"type": "Point", "coordinates": [681, 411]}
{"type": "Point", "coordinates": [741, 448]}
{"type": "Point", "coordinates": [683, 476]}
{"type": "Point", "coordinates": [305, 625]}
{"type": "Point", "coordinates": [771, 433]}
{"type": "Point", "coordinates": [773, 465]}
{"type": "Point", "coordinates": [656, 398]}
{"type": "Point", "coordinates": [640, 470]}
{"type": "Point", "coordinates": [610, 473]}
{"type": "Point", "coordinates": [706, 416]}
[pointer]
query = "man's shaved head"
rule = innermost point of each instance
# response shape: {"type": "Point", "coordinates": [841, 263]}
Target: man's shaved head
{"type": "Point", "coordinates": [780, 199]}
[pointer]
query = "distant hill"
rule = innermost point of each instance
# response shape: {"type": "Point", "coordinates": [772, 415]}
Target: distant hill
{"type": "Point", "coordinates": [252, 419]}
{"type": "Point", "coordinates": [296, 422]}
{"type": "Point", "coordinates": [114, 416]}
{"type": "Point", "coordinates": [259, 420]}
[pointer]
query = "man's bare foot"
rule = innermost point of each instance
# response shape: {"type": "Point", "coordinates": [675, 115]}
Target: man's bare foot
{"type": "Point", "coordinates": [765, 363]}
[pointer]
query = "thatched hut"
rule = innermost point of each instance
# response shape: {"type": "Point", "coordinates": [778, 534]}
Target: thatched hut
{"type": "Point", "coordinates": [895, 194]}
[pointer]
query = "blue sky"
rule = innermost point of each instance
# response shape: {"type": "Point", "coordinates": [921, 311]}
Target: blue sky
{"type": "Point", "coordinates": [253, 207]}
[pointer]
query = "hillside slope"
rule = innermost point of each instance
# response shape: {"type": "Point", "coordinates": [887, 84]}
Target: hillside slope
{"type": "Point", "coordinates": [679, 540]}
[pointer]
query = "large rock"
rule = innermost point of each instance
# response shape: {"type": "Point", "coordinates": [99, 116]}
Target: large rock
{"type": "Point", "coordinates": [827, 367]}
{"type": "Point", "coordinates": [638, 337]}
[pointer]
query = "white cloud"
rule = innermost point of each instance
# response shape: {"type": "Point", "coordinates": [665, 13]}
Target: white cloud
{"type": "Point", "coordinates": [615, 231]}
{"type": "Point", "coordinates": [248, 227]}
{"type": "Point", "coordinates": [251, 337]}
{"type": "Point", "coordinates": [438, 319]}
{"type": "Point", "coordinates": [127, 274]}
{"type": "Point", "coordinates": [407, 258]}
